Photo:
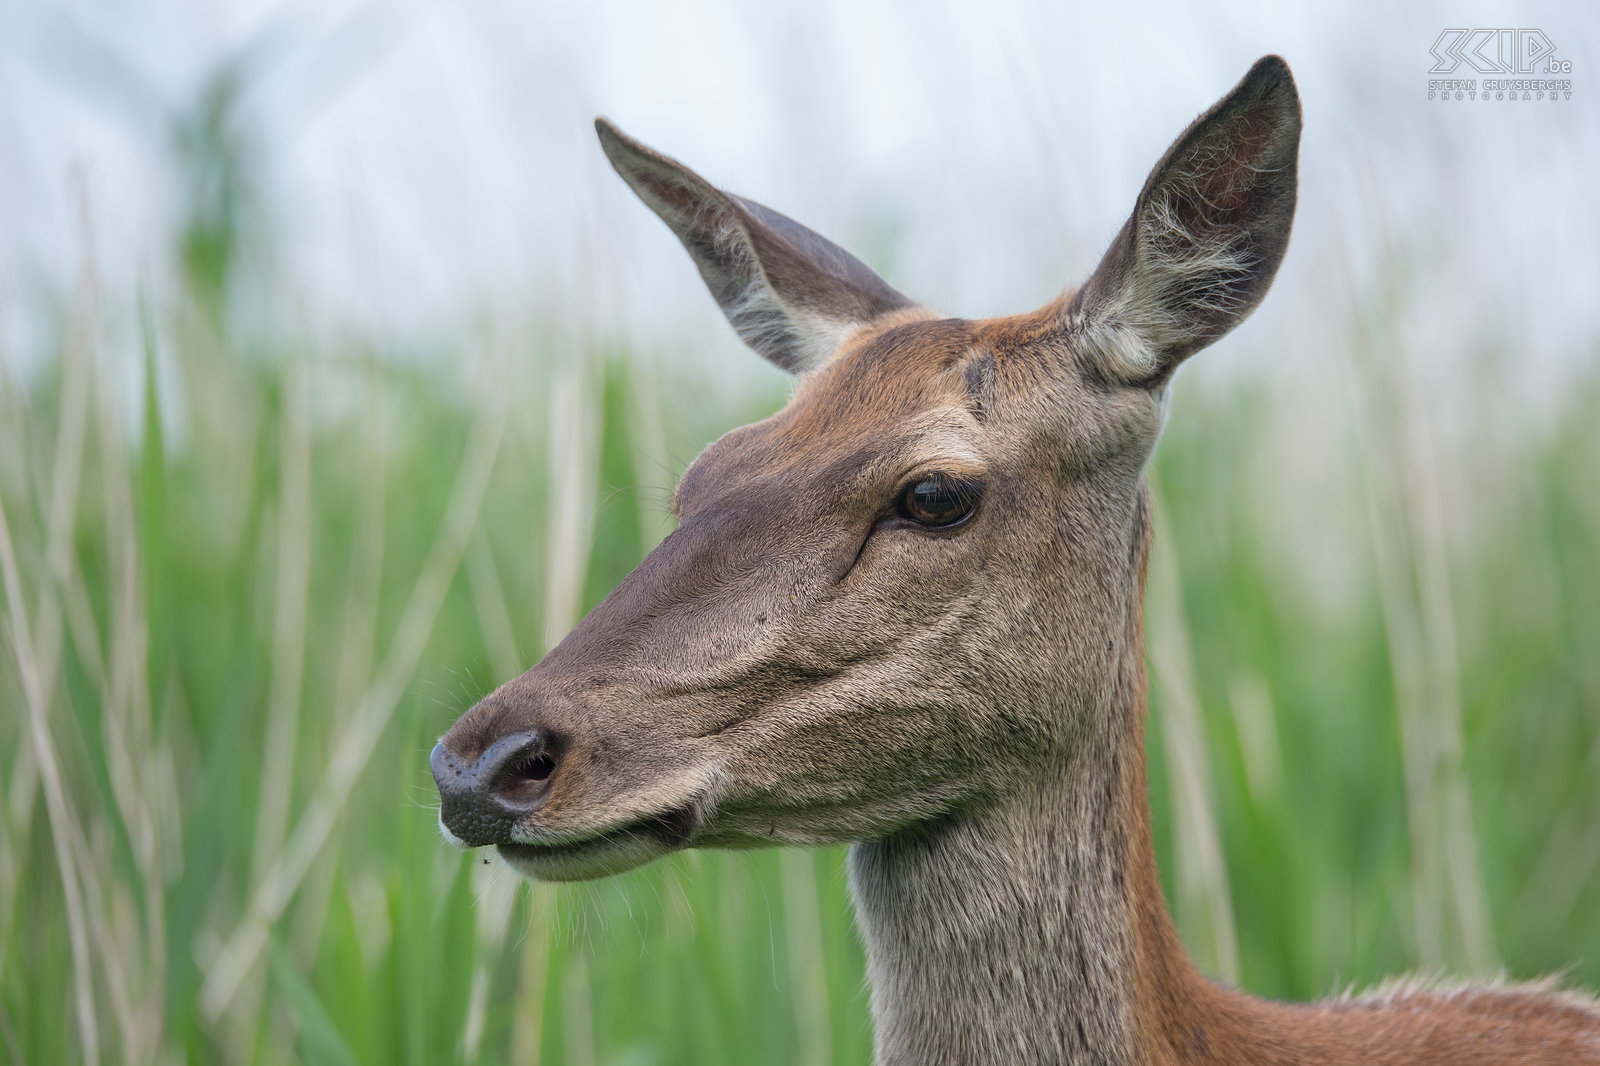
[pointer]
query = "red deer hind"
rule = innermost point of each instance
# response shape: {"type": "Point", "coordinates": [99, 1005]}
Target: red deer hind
{"type": "Point", "coordinates": [904, 613]}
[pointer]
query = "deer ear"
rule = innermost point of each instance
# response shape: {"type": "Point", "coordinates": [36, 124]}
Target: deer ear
{"type": "Point", "coordinates": [792, 294]}
{"type": "Point", "coordinates": [1206, 235]}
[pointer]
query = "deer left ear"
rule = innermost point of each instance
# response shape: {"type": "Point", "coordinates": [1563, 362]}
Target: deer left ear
{"type": "Point", "coordinates": [792, 294]}
{"type": "Point", "coordinates": [1205, 238]}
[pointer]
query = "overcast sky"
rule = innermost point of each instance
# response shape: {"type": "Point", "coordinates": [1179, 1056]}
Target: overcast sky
{"type": "Point", "coordinates": [424, 165]}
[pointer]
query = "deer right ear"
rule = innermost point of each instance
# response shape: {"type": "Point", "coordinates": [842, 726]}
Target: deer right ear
{"type": "Point", "coordinates": [791, 294]}
{"type": "Point", "coordinates": [1206, 235]}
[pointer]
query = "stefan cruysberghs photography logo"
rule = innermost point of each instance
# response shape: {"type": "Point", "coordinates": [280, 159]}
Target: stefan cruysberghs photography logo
{"type": "Point", "coordinates": [1519, 65]}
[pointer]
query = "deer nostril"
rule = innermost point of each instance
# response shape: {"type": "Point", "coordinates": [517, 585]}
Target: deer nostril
{"type": "Point", "coordinates": [480, 801]}
{"type": "Point", "coordinates": [525, 779]}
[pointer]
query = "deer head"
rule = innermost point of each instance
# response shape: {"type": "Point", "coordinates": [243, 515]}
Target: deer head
{"type": "Point", "coordinates": [911, 589]}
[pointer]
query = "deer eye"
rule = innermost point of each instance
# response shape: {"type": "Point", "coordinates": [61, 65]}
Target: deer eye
{"type": "Point", "coordinates": [939, 500]}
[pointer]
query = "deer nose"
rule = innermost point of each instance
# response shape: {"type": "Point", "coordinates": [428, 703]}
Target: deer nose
{"type": "Point", "coordinates": [480, 801]}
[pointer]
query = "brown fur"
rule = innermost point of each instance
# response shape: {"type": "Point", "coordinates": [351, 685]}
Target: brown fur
{"type": "Point", "coordinates": [797, 663]}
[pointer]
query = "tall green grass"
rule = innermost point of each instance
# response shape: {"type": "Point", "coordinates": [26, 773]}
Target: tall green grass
{"type": "Point", "coordinates": [233, 635]}
{"type": "Point", "coordinates": [238, 611]}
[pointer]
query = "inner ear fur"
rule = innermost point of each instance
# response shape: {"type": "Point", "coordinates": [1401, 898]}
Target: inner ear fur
{"type": "Point", "coordinates": [1206, 236]}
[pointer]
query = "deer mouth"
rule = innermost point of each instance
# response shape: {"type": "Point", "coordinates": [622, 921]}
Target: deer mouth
{"type": "Point", "coordinates": [611, 851]}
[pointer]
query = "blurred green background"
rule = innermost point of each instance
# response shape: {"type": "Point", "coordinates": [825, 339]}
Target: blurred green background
{"type": "Point", "coordinates": [237, 612]}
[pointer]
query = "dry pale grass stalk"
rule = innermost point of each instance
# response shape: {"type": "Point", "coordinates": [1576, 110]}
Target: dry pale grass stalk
{"type": "Point", "coordinates": [359, 629]}
{"type": "Point", "coordinates": [1411, 554]}
{"type": "Point", "coordinates": [497, 892]}
{"type": "Point", "coordinates": [577, 999]}
{"type": "Point", "coordinates": [64, 482]}
{"type": "Point", "coordinates": [527, 1028]}
{"type": "Point", "coordinates": [38, 648]}
{"type": "Point", "coordinates": [358, 625]}
{"type": "Point", "coordinates": [289, 618]}
{"type": "Point", "coordinates": [1412, 557]}
{"type": "Point", "coordinates": [574, 469]}
{"type": "Point", "coordinates": [135, 992]}
{"type": "Point", "coordinates": [494, 616]}
{"type": "Point", "coordinates": [574, 455]}
{"type": "Point", "coordinates": [1422, 815]}
{"type": "Point", "coordinates": [56, 807]}
{"type": "Point", "coordinates": [1205, 900]}
{"type": "Point", "coordinates": [496, 898]}
{"type": "Point", "coordinates": [1430, 551]}
{"type": "Point", "coordinates": [289, 615]}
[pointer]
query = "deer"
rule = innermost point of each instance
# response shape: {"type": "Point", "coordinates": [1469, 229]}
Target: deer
{"type": "Point", "coordinates": [904, 613]}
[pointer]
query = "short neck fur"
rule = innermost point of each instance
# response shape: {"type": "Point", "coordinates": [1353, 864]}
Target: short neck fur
{"type": "Point", "coordinates": [1033, 929]}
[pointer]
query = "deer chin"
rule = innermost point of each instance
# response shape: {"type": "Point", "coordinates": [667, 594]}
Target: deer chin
{"type": "Point", "coordinates": [611, 851]}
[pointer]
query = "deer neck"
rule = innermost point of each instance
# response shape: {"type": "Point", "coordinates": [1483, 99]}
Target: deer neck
{"type": "Point", "coordinates": [1034, 929]}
